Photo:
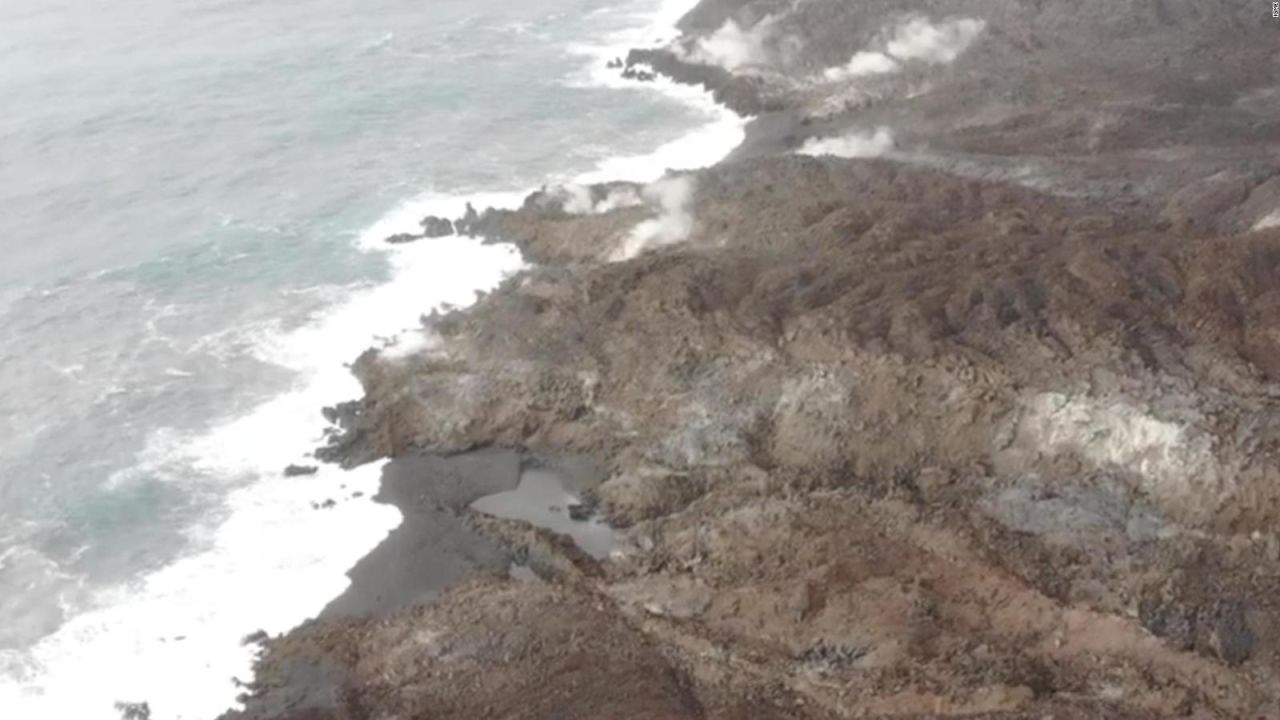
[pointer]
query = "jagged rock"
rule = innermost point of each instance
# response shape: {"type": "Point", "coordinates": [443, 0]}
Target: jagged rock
{"type": "Point", "coordinates": [467, 224]}
{"type": "Point", "coordinates": [134, 711]}
{"type": "Point", "coordinates": [300, 470]}
{"type": "Point", "coordinates": [1226, 630]}
{"type": "Point", "coordinates": [434, 227]}
{"type": "Point", "coordinates": [402, 238]}
{"type": "Point", "coordinates": [255, 638]}
{"type": "Point", "coordinates": [639, 75]}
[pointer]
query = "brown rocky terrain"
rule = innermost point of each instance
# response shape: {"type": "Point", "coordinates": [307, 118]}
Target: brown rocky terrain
{"type": "Point", "coordinates": [986, 426]}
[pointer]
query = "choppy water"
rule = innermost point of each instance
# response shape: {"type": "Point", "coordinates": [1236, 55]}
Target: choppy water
{"type": "Point", "coordinates": [193, 195]}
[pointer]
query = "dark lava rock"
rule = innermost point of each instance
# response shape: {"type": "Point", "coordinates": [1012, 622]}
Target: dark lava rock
{"type": "Point", "coordinates": [255, 638]}
{"type": "Point", "coordinates": [466, 224]}
{"type": "Point", "coordinates": [434, 226]}
{"type": "Point", "coordinates": [824, 654]}
{"type": "Point", "coordinates": [632, 73]}
{"type": "Point", "coordinates": [487, 224]}
{"type": "Point", "coordinates": [1224, 630]}
{"type": "Point", "coordinates": [1219, 628]}
{"type": "Point", "coordinates": [615, 64]}
{"type": "Point", "coordinates": [402, 238]}
{"type": "Point", "coordinates": [329, 504]}
{"type": "Point", "coordinates": [741, 93]}
{"type": "Point", "coordinates": [300, 470]}
{"type": "Point", "coordinates": [348, 445]}
{"type": "Point", "coordinates": [133, 711]}
{"type": "Point", "coordinates": [1174, 623]}
{"type": "Point", "coordinates": [580, 513]}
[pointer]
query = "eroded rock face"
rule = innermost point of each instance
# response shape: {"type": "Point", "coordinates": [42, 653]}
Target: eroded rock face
{"type": "Point", "coordinates": [988, 425]}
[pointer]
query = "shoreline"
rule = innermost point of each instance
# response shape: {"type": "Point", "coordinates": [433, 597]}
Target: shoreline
{"type": "Point", "coordinates": [882, 433]}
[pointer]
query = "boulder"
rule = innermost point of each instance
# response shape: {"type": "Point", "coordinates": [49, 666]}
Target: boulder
{"type": "Point", "coordinates": [435, 227]}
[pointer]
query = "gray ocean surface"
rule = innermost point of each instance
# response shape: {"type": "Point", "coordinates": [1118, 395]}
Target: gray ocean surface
{"type": "Point", "coordinates": [182, 179]}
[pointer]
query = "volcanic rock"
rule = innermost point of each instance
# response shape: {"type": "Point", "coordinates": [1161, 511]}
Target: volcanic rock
{"type": "Point", "coordinates": [434, 227]}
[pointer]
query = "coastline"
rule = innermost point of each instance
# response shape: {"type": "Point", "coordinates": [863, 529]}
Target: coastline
{"type": "Point", "coordinates": [267, 520]}
{"type": "Point", "coordinates": [847, 416]}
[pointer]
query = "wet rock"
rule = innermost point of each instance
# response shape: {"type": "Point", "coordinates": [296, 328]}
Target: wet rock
{"type": "Point", "coordinates": [741, 93]}
{"type": "Point", "coordinates": [615, 64]}
{"type": "Point", "coordinates": [487, 224]}
{"type": "Point", "coordinates": [348, 443]}
{"type": "Point", "coordinates": [255, 638]}
{"type": "Point", "coordinates": [435, 227]}
{"type": "Point", "coordinates": [467, 224]}
{"type": "Point", "coordinates": [402, 238]}
{"type": "Point", "coordinates": [639, 74]}
{"type": "Point", "coordinates": [133, 711]}
{"type": "Point", "coordinates": [300, 470]}
{"type": "Point", "coordinates": [580, 513]}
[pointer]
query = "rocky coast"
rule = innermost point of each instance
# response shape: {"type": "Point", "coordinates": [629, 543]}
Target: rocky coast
{"type": "Point", "coordinates": [954, 392]}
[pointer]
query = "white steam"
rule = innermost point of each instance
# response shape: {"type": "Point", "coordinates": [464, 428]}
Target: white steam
{"type": "Point", "coordinates": [579, 200]}
{"type": "Point", "coordinates": [673, 197]}
{"type": "Point", "coordinates": [410, 343]}
{"type": "Point", "coordinates": [919, 39]}
{"type": "Point", "coordinates": [733, 47]}
{"type": "Point", "coordinates": [914, 39]}
{"type": "Point", "coordinates": [1270, 221]}
{"type": "Point", "coordinates": [853, 145]}
{"type": "Point", "coordinates": [617, 199]}
{"type": "Point", "coordinates": [863, 63]}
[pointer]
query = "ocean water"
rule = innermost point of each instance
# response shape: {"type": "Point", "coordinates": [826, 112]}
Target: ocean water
{"type": "Point", "coordinates": [193, 198]}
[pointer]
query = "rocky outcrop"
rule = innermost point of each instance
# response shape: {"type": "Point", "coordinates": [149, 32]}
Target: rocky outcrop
{"type": "Point", "coordinates": [434, 227]}
{"type": "Point", "coordinates": [300, 470]}
{"type": "Point", "coordinates": [745, 95]}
